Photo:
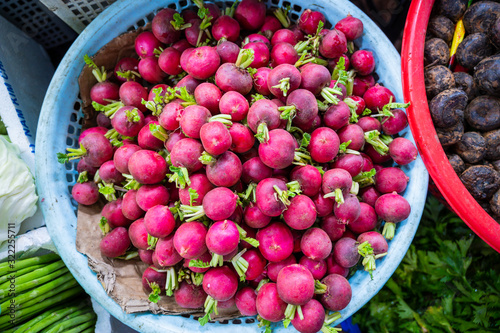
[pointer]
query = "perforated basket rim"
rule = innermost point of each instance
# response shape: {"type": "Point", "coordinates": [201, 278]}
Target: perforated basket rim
{"type": "Point", "coordinates": [53, 184]}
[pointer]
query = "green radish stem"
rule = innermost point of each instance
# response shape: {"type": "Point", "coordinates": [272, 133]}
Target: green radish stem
{"type": "Point", "coordinates": [178, 22]}
{"type": "Point", "coordinates": [129, 255]}
{"type": "Point", "coordinates": [352, 106]}
{"type": "Point", "coordinates": [329, 95]}
{"type": "Point", "coordinates": [180, 176]}
{"type": "Point", "coordinates": [158, 132]}
{"type": "Point", "coordinates": [365, 178]}
{"type": "Point", "coordinates": [245, 58]}
{"type": "Point", "coordinates": [192, 213]}
{"type": "Point", "coordinates": [217, 260]}
{"type": "Point", "coordinates": [210, 307]}
{"type": "Point", "coordinates": [99, 73]}
{"type": "Point", "coordinates": [339, 197]}
{"type": "Point", "coordinates": [230, 10]}
{"type": "Point", "coordinates": [373, 138]}
{"type": "Point", "coordinates": [319, 288]}
{"type": "Point", "coordinates": [152, 242]}
{"type": "Point", "coordinates": [207, 159]}
{"type": "Point", "coordinates": [240, 265]}
{"type": "Point", "coordinates": [128, 75]}
{"type": "Point", "coordinates": [107, 190]}
{"type": "Point", "coordinates": [250, 191]}
{"type": "Point", "coordinates": [354, 188]}
{"type": "Point", "coordinates": [83, 177]}
{"type": "Point", "coordinates": [389, 230]}
{"type": "Point", "coordinates": [282, 16]}
{"type": "Point", "coordinates": [223, 118]}
{"type": "Point", "coordinates": [104, 225]}
{"type": "Point", "coordinates": [330, 319]}
{"type": "Point", "coordinates": [243, 237]}
{"type": "Point", "coordinates": [262, 133]}
{"type": "Point", "coordinates": [110, 109]}
{"type": "Point", "coordinates": [131, 183]}
{"type": "Point", "coordinates": [261, 283]}
{"type": "Point", "coordinates": [284, 85]}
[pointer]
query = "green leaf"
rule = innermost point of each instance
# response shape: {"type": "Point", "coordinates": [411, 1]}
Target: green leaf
{"type": "Point", "coordinates": [198, 263]}
{"type": "Point", "coordinates": [103, 225]}
{"type": "Point", "coordinates": [89, 61]}
{"type": "Point", "coordinates": [193, 195]}
{"type": "Point", "coordinates": [83, 177]}
{"type": "Point", "coordinates": [62, 158]}
{"type": "Point", "coordinates": [343, 146]}
{"type": "Point", "coordinates": [154, 296]}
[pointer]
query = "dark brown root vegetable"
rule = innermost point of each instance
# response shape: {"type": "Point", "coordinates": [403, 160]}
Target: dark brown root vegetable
{"type": "Point", "coordinates": [452, 9]}
{"type": "Point", "coordinates": [465, 82]}
{"type": "Point", "coordinates": [449, 136]}
{"type": "Point", "coordinates": [436, 52]}
{"type": "Point", "coordinates": [487, 75]}
{"type": "Point", "coordinates": [473, 49]}
{"type": "Point", "coordinates": [441, 27]}
{"type": "Point", "coordinates": [481, 181]}
{"type": "Point", "coordinates": [471, 147]}
{"type": "Point", "coordinates": [456, 163]}
{"type": "Point", "coordinates": [437, 79]}
{"type": "Point", "coordinates": [447, 108]}
{"type": "Point", "coordinates": [495, 203]}
{"type": "Point", "coordinates": [480, 16]}
{"type": "Point", "coordinates": [496, 165]}
{"type": "Point", "coordinates": [483, 113]}
{"type": "Point", "coordinates": [495, 33]}
{"type": "Point", "coordinates": [492, 139]}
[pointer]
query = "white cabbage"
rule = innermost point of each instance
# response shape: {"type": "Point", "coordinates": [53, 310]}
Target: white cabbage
{"type": "Point", "coordinates": [17, 190]}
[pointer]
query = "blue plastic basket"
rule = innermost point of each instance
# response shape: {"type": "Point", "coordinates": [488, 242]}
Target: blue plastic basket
{"type": "Point", "coordinates": [60, 124]}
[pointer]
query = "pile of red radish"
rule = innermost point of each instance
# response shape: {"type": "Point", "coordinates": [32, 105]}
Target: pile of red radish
{"type": "Point", "coordinates": [249, 161]}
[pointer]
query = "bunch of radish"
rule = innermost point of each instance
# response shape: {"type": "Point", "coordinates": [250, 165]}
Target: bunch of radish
{"type": "Point", "coordinates": [249, 161]}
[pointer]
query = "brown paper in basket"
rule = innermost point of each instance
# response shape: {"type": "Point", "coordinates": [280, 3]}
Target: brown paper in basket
{"type": "Point", "coordinates": [121, 279]}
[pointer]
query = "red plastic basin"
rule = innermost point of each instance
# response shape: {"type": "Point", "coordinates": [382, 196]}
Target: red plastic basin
{"type": "Point", "coordinates": [419, 118]}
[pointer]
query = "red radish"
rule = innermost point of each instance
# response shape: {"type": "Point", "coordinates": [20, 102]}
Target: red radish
{"type": "Point", "coordinates": [301, 107]}
{"type": "Point", "coordinates": [345, 252]}
{"type": "Point", "coordinates": [242, 138]}
{"type": "Point", "coordinates": [402, 151]}
{"type": "Point", "coordinates": [225, 170]}
{"type": "Point", "coordinates": [228, 51]}
{"type": "Point", "coordinates": [246, 299]}
{"type": "Point", "coordinates": [150, 70]}
{"type": "Point", "coordinates": [333, 44]}
{"type": "Point", "coordinates": [376, 240]}
{"type": "Point", "coordinates": [352, 27]}
{"type": "Point", "coordinates": [128, 121]}
{"type": "Point", "coordinates": [256, 263]}
{"type": "Point", "coordinates": [366, 221]}
{"type": "Point", "coordinates": [276, 241]}
{"type": "Point", "coordinates": [316, 244]}
{"type": "Point", "coordinates": [159, 221]}
{"type": "Point", "coordinates": [267, 201]}
{"type": "Point", "coordinates": [375, 156]}
{"type": "Point", "coordinates": [336, 183]}
{"type": "Point", "coordinates": [309, 179]}
{"type": "Point", "coordinates": [358, 103]}
{"type": "Point", "coordinates": [149, 196]}
{"type": "Point", "coordinates": [215, 138]}
{"type": "Point", "coordinates": [147, 167]}
{"type": "Point", "coordinates": [109, 174]}
{"type": "Point", "coordinates": [214, 10]}
{"type": "Point", "coordinates": [369, 124]}
{"type": "Point", "coordinates": [262, 117]}
{"type": "Point", "coordinates": [369, 195]}
{"type": "Point", "coordinates": [316, 267]}
{"type": "Point", "coordinates": [324, 206]}
{"type": "Point", "coordinates": [163, 30]}
{"type": "Point", "coordinates": [189, 82]}
{"type": "Point", "coordinates": [333, 227]}
{"type": "Point", "coordinates": [283, 53]}
{"type": "Point", "coordinates": [295, 285]}
{"type": "Point", "coordinates": [227, 28]}
{"type": "Point", "coordinates": [170, 61]}
{"type": "Point", "coordinates": [185, 155]}
{"type": "Point", "coordinates": [283, 79]}
{"type": "Point", "coordinates": [222, 238]}
{"type": "Point", "coordinates": [349, 210]}
{"type": "Point", "coordinates": [390, 180]}
{"type": "Point", "coordinates": [255, 171]}
{"type": "Point", "coordinates": [337, 116]}
{"type": "Point", "coordinates": [126, 66]}
{"type": "Point", "coordinates": [165, 254]}
{"type": "Point", "coordinates": [250, 14]}
{"type": "Point", "coordinates": [297, 236]}
{"type": "Point", "coordinates": [219, 203]}
{"type": "Point", "coordinates": [314, 318]}
{"type": "Point", "coordinates": [138, 234]}
{"type": "Point", "coordinates": [333, 62]}
{"type": "Point", "coordinates": [334, 268]}
{"type": "Point", "coordinates": [99, 129]}
{"type": "Point", "coordinates": [352, 163]}
{"type": "Point", "coordinates": [361, 84]}
{"type": "Point", "coordinates": [261, 54]}
{"type": "Point", "coordinates": [301, 213]}
{"type": "Point", "coordinates": [204, 258]}
{"type": "Point", "coordinates": [146, 256]}
{"type": "Point", "coordinates": [338, 293]}
{"type": "Point", "coordinates": [269, 305]}
{"type": "Point", "coordinates": [103, 92]}
{"type": "Point", "coordinates": [324, 145]}
{"type": "Point", "coordinates": [284, 36]}
{"type": "Point", "coordinates": [189, 240]}
{"type": "Point", "coordinates": [234, 104]}
{"type": "Point", "coordinates": [363, 62]}
{"type": "Point", "coordinates": [112, 211]}
{"type": "Point", "coordinates": [396, 123]}
{"type": "Point", "coordinates": [170, 116]}
{"type": "Point", "coordinates": [173, 138]}
{"type": "Point", "coordinates": [220, 283]}
{"type": "Point", "coordinates": [194, 34]}
{"type": "Point", "coordinates": [181, 45]}
{"type": "Point", "coordinates": [254, 217]}
{"type": "Point", "coordinates": [148, 140]}
{"type": "Point", "coordinates": [94, 150]}
{"type": "Point", "coordinates": [235, 77]}
{"type": "Point", "coordinates": [353, 133]}
{"type": "Point", "coordinates": [200, 185]}
{"type": "Point", "coordinates": [392, 208]}
{"type": "Point", "coordinates": [190, 296]}
{"type": "Point", "coordinates": [309, 21]}
{"type": "Point", "coordinates": [378, 96]}
{"type": "Point", "coordinates": [153, 282]}
{"type": "Point", "coordinates": [314, 78]}
{"type": "Point", "coordinates": [86, 193]}
{"type": "Point", "coordinates": [270, 26]}
{"type": "Point", "coordinates": [279, 151]}
{"type": "Point", "coordinates": [83, 166]}
{"type": "Point", "coordinates": [273, 268]}
{"type": "Point", "coordinates": [257, 38]}
{"type": "Point", "coordinates": [208, 95]}
{"type": "Point", "coordinates": [130, 208]}
{"type": "Point", "coordinates": [260, 81]}
{"type": "Point", "coordinates": [146, 43]}
{"type": "Point", "coordinates": [201, 62]}
{"type": "Point", "coordinates": [103, 120]}
{"type": "Point", "coordinates": [115, 243]}
{"type": "Point", "coordinates": [367, 163]}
